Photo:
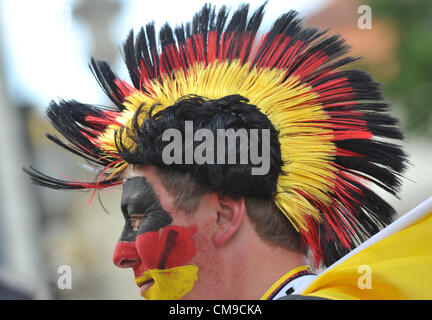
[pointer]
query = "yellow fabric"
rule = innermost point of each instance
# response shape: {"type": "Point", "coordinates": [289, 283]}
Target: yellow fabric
{"type": "Point", "coordinates": [292, 107]}
{"type": "Point", "coordinates": [400, 268]}
{"type": "Point", "coordinates": [169, 284]}
{"type": "Point", "coordinates": [281, 280]}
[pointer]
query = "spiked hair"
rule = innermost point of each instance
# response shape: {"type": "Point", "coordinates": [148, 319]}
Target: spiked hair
{"type": "Point", "coordinates": [330, 122]}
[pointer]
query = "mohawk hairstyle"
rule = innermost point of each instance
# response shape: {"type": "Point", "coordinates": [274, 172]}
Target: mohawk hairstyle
{"type": "Point", "coordinates": [330, 122]}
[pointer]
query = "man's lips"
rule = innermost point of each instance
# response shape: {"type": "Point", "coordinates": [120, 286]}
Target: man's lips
{"type": "Point", "coordinates": [144, 285]}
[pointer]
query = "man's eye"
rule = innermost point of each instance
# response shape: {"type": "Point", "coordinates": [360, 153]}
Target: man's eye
{"type": "Point", "coordinates": [135, 221]}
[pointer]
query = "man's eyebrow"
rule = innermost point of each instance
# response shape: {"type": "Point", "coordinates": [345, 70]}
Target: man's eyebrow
{"type": "Point", "coordinates": [124, 175]}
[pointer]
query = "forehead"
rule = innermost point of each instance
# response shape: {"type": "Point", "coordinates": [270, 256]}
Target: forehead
{"type": "Point", "coordinates": [150, 178]}
{"type": "Point", "coordinates": [144, 182]}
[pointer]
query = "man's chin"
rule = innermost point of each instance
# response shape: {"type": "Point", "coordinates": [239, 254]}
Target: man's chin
{"type": "Point", "coordinates": [167, 284]}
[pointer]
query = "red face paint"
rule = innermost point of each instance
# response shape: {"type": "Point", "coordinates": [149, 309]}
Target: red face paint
{"type": "Point", "coordinates": [125, 254]}
{"type": "Point", "coordinates": [170, 247]}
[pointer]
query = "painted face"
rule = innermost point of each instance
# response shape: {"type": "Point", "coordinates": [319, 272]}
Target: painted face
{"type": "Point", "coordinates": [156, 249]}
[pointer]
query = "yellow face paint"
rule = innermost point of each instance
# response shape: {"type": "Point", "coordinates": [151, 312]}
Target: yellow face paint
{"type": "Point", "coordinates": [169, 284]}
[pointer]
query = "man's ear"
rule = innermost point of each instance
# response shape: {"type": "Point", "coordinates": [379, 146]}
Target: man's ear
{"type": "Point", "coordinates": [230, 216]}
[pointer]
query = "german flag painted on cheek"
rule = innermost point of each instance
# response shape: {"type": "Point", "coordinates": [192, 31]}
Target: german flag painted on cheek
{"type": "Point", "coordinates": [164, 256]}
{"type": "Point", "coordinates": [158, 251]}
{"type": "Point", "coordinates": [173, 246]}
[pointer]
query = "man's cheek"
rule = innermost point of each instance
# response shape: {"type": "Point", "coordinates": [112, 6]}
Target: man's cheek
{"type": "Point", "coordinates": [166, 248]}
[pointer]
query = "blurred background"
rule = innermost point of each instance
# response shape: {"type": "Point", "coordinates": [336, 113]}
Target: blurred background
{"type": "Point", "coordinates": [45, 48]}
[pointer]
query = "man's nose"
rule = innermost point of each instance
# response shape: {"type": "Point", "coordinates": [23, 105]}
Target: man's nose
{"type": "Point", "coordinates": [125, 255]}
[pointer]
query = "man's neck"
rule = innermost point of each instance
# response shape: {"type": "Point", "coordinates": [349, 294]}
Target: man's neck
{"type": "Point", "coordinates": [255, 265]}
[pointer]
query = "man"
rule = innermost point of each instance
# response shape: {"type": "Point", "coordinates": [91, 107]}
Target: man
{"type": "Point", "coordinates": [240, 155]}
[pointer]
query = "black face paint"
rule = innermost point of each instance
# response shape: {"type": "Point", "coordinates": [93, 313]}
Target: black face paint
{"type": "Point", "coordinates": [139, 198]}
